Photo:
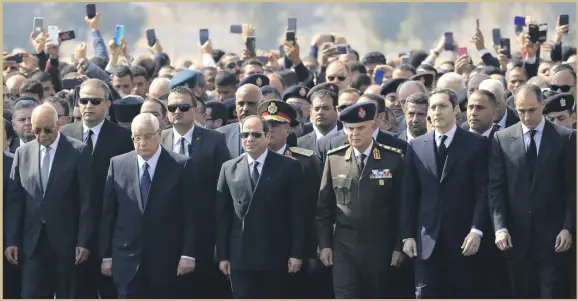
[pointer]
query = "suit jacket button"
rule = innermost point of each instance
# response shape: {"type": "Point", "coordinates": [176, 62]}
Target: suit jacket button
{"type": "Point", "coordinates": [530, 212]}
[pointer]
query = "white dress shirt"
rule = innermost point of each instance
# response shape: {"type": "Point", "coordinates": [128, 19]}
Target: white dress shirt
{"type": "Point", "coordinates": [53, 147]}
{"type": "Point", "coordinates": [261, 161]}
{"type": "Point", "coordinates": [318, 133]}
{"type": "Point", "coordinates": [537, 137]}
{"type": "Point", "coordinates": [450, 134]}
{"type": "Point", "coordinates": [281, 151]}
{"type": "Point", "coordinates": [409, 136]}
{"type": "Point", "coordinates": [366, 152]}
{"type": "Point", "coordinates": [502, 122]}
{"type": "Point", "coordinates": [22, 141]}
{"type": "Point", "coordinates": [177, 140]}
{"type": "Point", "coordinates": [485, 134]}
{"type": "Point", "coordinates": [95, 133]}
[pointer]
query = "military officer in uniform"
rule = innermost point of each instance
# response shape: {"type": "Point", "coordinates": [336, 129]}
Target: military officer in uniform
{"type": "Point", "coordinates": [360, 193]}
{"type": "Point", "coordinates": [280, 115]}
{"type": "Point", "coordinates": [558, 109]}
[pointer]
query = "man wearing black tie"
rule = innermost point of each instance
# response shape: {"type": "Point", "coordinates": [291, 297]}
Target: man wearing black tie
{"type": "Point", "coordinates": [506, 117]}
{"type": "Point", "coordinates": [148, 219]}
{"type": "Point", "coordinates": [208, 150]}
{"type": "Point", "coordinates": [444, 202]}
{"type": "Point", "coordinates": [260, 217]}
{"type": "Point", "coordinates": [48, 222]}
{"type": "Point", "coordinates": [532, 198]}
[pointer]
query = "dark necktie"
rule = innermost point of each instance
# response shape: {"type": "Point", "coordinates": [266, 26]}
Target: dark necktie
{"type": "Point", "coordinates": [443, 149]}
{"type": "Point", "coordinates": [255, 174]}
{"type": "Point", "coordinates": [182, 150]}
{"type": "Point", "coordinates": [89, 143]}
{"type": "Point", "coordinates": [145, 184]}
{"type": "Point", "coordinates": [361, 163]}
{"type": "Point", "coordinates": [497, 127]}
{"type": "Point", "coordinates": [532, 154]}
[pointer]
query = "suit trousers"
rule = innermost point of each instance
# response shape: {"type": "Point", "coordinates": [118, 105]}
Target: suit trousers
{"type": "Point", "coordinates": [46, 274]}
{"type": "Point", "coordinates": [141, 287]}
{"type": "Point", "coordinates": [206, 282]}
{"type": "Point", "coordinates": [92, 284]}
{"type": "Point", "coordinates": [272, 284]}
{"type": "Point", "coordinates": [12, 280]}
{"type": "Point", "coordinates": [532, 278]}
{"type": "Point", "coordinates": [360, 275]}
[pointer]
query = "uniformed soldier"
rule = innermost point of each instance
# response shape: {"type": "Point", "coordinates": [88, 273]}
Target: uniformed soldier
{"type": "Point", "coordinates": [558, 109]}
{"type": "Point", "coordinates": [279, 115]}
{"type": "Point", "coordinates": [360, 194]}
{"type": "Point", "coordinates": [258, 80]}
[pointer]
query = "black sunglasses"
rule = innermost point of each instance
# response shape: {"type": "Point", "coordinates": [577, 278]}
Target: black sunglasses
{"type": "Point", "coordinates": [342, 107]}
{"type": "Point", "coordinates": [182, 107]}
{"type": "Point", "coordinates": [340, 78]}
{"type": "Point", "coordinates": [94, 101]}
{"type": "Point", "coordinates": [232, 65]}
{"type": "Point", "coordinates": [255, 135]}
{"type": "Point", "coordinates": [563, 89]}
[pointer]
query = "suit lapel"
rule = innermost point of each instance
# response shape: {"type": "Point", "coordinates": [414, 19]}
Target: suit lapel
{"type": "Point", "coordinates": [58, 163]}
{"type": "Point", "coordinates": [168, 140]}
{"type": "Point", "coordinates": [244, 198]}
{"type": "Point", "coordinates": [266, 173]}
{"type": "Point", "coordinates": [103, 133]}
{"type": "Point", "coordinates": [519, 152]}
{"type": "Point", "coordinates": [162, 175]}
{"type": "Point", "coordinates": [547, 143]}
{"type": "Point", "coordinates": [77, 131]}
{"type": "Point", "coordinates": [36, 163]}
{"type": "Point", "coordinates": [453, 154]}
{"type": "Point", "coordinates": [352, 163]}
{"type": "Point", "coordinates": [429, 154]}
{"type": "Point", "coordinates": [196, 143]}
{"type": "Point", "coordinates": [134, 169]}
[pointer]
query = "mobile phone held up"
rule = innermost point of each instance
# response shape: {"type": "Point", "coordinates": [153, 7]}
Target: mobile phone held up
{"type": "Point", "coordinates": [449, 45]}
{"type": "Point", "coordinates": [564, 20]}
{"type": "Point", "coordinates": [151, 37]}
{"type": "Point", "coordinates": [53, 35]}
{"type": "Point", "coordinates": [203, 36]}
{"type": "Point", "coordinates": [378, 76]}
{"type": "Point", "coordinates": [496, 36]}
{"type": "Point", "coordinates": [67, 35]}
{"type": "Point", "coordinates": [505, 46]}
{"type": "Point", "coordinates": [290, 37]}
{"type": "Point", "coordinates": [91, 11]}
{"type": "Point", "coordinates": [118, 34]}
{"type": "Point", "coordinates": [292, 24]}
{"type": "Point", "coordinates": [37, 25]}
{"type": "Point", "coordinates": [250, 43]}
{"type": "Point", "coordinates": [341, 49]}
{"type": "Point", "coordinates": [236, 29]}
{"type": "Point", "coordinates": [462, 51]}
{"type": "Point", "coordinates": [519, 24]}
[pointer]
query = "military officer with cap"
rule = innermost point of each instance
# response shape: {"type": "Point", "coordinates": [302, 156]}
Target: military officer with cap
{"type": "Point", "coordinates": [297, 95]}
{"type": "Point", "coordinates": [279, 115]}
{"type": "Point", "coordinates": [258, 80]}
{"type": "Point", "coordinates": [558, 109]}
{"type": "Point", "coordinates": [186, 77]}
{"type": "Point", "coordinates": [360, 194]}
{"type": "Point", "coordinates": [126, 109]}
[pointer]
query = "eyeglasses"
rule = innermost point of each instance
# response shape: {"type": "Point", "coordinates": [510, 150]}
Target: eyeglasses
{"type": "Point", "coordinates": [340, 78]}
{"type": "Point", "coordinates": [343, 107]}
{"type": "Point", "coordinates": [94, 101]}
{"type": "Point", "coordinates": [255, 135]}
{"type": "Point", "coordinates": [563, 89]}
{"type": "Point", "coordinates": [47, 131]}
{"type": "Point", "coordinates": [232, 65]}
{"type": "Point", "coordinates": [143, 137]}
{"type": "Point", "coordinates": [182, 107]}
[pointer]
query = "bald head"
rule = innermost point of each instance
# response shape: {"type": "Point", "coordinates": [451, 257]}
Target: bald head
{"type": "Point", "coordinates": [410, 87]}
{"type": "Point", "coordinates": [247, 100]}
{"type": "Point", "coordinates": [159, 87]}
{"type": "Point", "coordinates": [45, 111]}
{"type": "Point", "coordinates": [14, 83]}
{"type": "Point", "coordinates": [496, 87]}
{"type": "Point", "coordinates": [45, 124]}
{"type": "Point", "coordinates": [373, 89]}
{"type": "Point", "coordinates": [452, 81]}
{"type": "Point", "coordinates": [474, 82]}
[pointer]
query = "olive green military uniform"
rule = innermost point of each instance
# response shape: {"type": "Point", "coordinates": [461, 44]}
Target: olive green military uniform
{"type": "Point", "coordinates": [364, 206]}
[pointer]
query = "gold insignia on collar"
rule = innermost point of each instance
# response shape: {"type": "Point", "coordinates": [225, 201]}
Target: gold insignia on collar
{"type": "Point", "coordinates": [272, 108]}
{"type": "Point", "coordinates": [302, 92]}
{"type": "Point", "coordinates": [288, 153]}
{"type": "Point", "coordinates": [259, 82]}
{"type": "Point", "coordinates": [348, 154]}
{"type": "Point", "coordinates": [562, 102]}
{"type": "Point", "coordinates": [376, 154]}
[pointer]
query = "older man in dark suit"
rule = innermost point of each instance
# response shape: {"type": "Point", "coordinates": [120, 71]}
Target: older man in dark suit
{"type": "Point", "coordinates": [260, 217]}
{"type": "Point", "coordinates": [148, 222]}
{"type": "Point", "coordinates": [49, 221]}
{"type": "Point", "coordinates": [12, 281]}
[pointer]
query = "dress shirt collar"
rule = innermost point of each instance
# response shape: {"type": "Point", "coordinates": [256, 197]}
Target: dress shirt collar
{"type": "Point", "coordinates": [281, 151]}
{"type": "Point", "coordinates": [502, 122]}
{"type": "Point", "coordinates": [366, 152]}
{"type": "Point", "coordinates": [318, 134]}
{"type": "Point", "coordinates": [261, 158]}
{"type": "Point", "coordinates": [539, 128]}
{"type": "Point", "coordinates": [450, 134]}
{"type": "Point", "coordinates": [188, 135]}
{"type": "Point", "coordinates": [152, 162]}
{"type": "Point", "coordinates": [95, 130]}
{"type": "Point", "coordinates": [53, 145]}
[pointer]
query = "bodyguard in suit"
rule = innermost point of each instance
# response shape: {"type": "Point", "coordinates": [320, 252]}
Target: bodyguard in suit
{"type": "Point", "coordinates": [248, 97]}
{"type": "Point", "coordinates": [48, 222]}
{"type": "Point", "coordinates": [104, 140]}
{"type": "Point", "coordinates": [532, 198]}
{"type": "Point", "coordinates": [261, 217]}
{"type": "Point", "coordinates": [323, 100]}
{"type": "Point", "coordinates": [303, 284]}
{"type": "Point", "coordinates": [444, 202]}
{"type": "Point", "coordinates": [360, 194]}
{"type": "Point", "coordinates": [11, 272]}
{"type": "Point", "coordinates": [208, 151]}
{"type": "Point", "coordinates": [415, 113]}
{"type": "Point", "coordinates": [148, 227]}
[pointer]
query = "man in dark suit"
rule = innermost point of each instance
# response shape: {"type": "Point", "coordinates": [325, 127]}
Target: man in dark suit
{"type": "Point", "coordinates": [21, 114]}
{"type": "Point", "coordinates": [105, 140]}
{"type": "Point", "coordinates": [148, 222]}
{"type": "Point", "coordinates": [12, 275]}
{"type": "Point", "coordinates": [261, 217]}
{"type": "Point", "coordinates": [48, 218]}
{"type": "Point", "coordinates": [247, 99]}
{"type": "Point", "coordinates": [208, 150]}
{"type": "Point", "coordinates": [303, 284]}
{"type": "Point", "coordinates": [323, 99]}
{"type": "Point", "coordinates": [444, 204]}
{"type": "Point", "coordinates": [532, 198]}
{"type": "Point", "coordinates": [415, 112]}
{"type": "Point", "coordinates": [358, 209]}
{"type": "Point", "coordinates": [506, 117]}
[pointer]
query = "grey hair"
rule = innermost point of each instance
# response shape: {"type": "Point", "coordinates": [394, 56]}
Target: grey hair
{"type": "Point", "coordinates": [99, 84]}
{"type": "Point", "coordinates": [24, 104]}
{"type": "Point", "coordinates": [446, 80]}
{"type": "Point", "coordinates": [146, 118]}
{"type": "Point", "coordinates": [495, 86]}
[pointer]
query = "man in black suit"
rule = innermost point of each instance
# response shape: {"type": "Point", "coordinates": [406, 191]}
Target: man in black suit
{"type": "Point", "coordinates": [323, 99]}
{"type": "Point", "coordinates": [12, 275]}
{"type": "Point", "coordinates": [104, 140]}
{"type": "Point", "coordinates": [48, 218]}
{"type": "Point", "coordinates": [444, 205]}
{"type": "Point", "coordinates": [415, 112]}
{"type": "Point", "coordinates": [261, 217]}
{"type": "Point", "coordinates": [21, 116]}
{"type": "Point", "coordinates": [247, 99]}
{"type": "Point", "coordinates": [506, 117]}
{"type": "Point", "coordinates": [148, 220]}
{"type": "Point", "coordinates": [532, 198]}
{"type": "Point", "coordinates": [208, 150]}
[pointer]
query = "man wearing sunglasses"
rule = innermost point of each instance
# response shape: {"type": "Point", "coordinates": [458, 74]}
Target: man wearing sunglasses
{"type": "Point", "coordinates": [558, 109]}
{"type": "Point", "coordinates": [208, 150]}
{"type": "Point", "coordinates": [105, 139]}
{"type": "Point", "coordinates": [47, 246]}
{"type": "Point", "coordinates": [337, 72]}
{"type": "Point", "coordinates": [564, 81]}
{"type": "Point", "coordinates": [259, 250]}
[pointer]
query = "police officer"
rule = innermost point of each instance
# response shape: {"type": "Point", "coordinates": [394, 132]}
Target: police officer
{"type": "Point", "coordinates": [558, 109]}
{"type": "Point", "coordinates": [360, 194]}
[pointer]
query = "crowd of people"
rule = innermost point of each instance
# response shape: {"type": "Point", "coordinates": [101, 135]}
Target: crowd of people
{"type": "Point", "coordinates": [271, 175]}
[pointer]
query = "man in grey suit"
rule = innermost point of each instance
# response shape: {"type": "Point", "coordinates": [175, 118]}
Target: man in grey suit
{"type": "Point", "coordinates": [532, 198]}
{"type": "Point", "coordinates": [208, 150]}
{"type": "Point", "coordinates": [48, 221]}
{"type": "Point", "coordinates": [247, 100]}
{"type": "Point", "coordinates": [148, 217]}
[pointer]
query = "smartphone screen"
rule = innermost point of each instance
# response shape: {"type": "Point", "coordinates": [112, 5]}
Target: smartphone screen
{"type": "Point", "coordinates": [204, 36]}
{"type": "Point", "coordinates": [67, 35]}
{"type": "Point", "coordinates": [37, 25]}
{"type": "Point", "coordinates": [91, 11]}
{"type": "Point", "coordinates": [290, 36]}
{"type": "Point", "coordinates": [378, 76]}
{"type": "Point", "coordinates": [251, 47]}
{"type": "Point", "coordinates": [118, 34]}
{"type": "Point", "coordinates": [449, 41]}
{"type": "Point", "coordinates": [341, 49]}
{"type": "Point", "coordinates": [505, 45]}
{"type": "Point", "coordinates": [496, 35]}
{"type": "Point", "coordinates": [292, 24]}
{"type": "Point", "coordinates": [70, 83]}
{"type": "Point", "coordinates": [564, 20]}
{"type": "Point", "coordinates": [542, 32]}
{"type": "Point", "coordinates": [238, 29]}
{"type": "Point", "coordinates": [520, 21]}
{"type": "Point", "coordinates": [151, 37]}
{"type": "Point", "coordinates": [534, 33]}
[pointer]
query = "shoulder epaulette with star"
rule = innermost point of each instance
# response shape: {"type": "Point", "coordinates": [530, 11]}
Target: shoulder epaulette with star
{"type": "Point", "coordinates": [302, 151]}
{"type": "Point", "coordinates": [391, 149]}
{"type": "Point", "coordinates": [338, 149]}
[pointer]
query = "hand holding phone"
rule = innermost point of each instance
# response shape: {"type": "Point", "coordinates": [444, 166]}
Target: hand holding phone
{"type": "Point", "coordinates": [91, 11]}
{"type": "Point", "coordinates": [563, 20]}
{"type": "Point", "coordinates": [449, 44]}
{"type": "Point", "coordinates": [203, 36]}
{"type": "Point", "coordinates": [151, 37]}
{"type": "Point", "coordinates": [118, 34]}
{"type": "Point", "coordinates": [378, 76]}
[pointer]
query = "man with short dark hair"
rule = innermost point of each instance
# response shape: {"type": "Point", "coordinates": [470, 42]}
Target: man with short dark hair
{"type": "Point", "coordinates": [250, 67]}
{"type": "Point", "coordinates": [140, 80]}
{"type": "Point", "coordinates": [32, 88]}
{"type": "Point", "coordinates": [217, 115]}
{"type": "Point", "coordinates": [122, 80]}
{"type": "Point", "coordinates": [156, 107]}
{"type": "Point", "coordinates": [482, 111]}
{"type": "Point", "coordinates": [324, 100]}
{"type": "Point", "coordinates": [22, 122]}
{"type": "Point", "coordinates": [61, 107]}
{"type": "Point", "coordinates": [415, 113]}
{"type": "Point", "coordinates": [46, 81]}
